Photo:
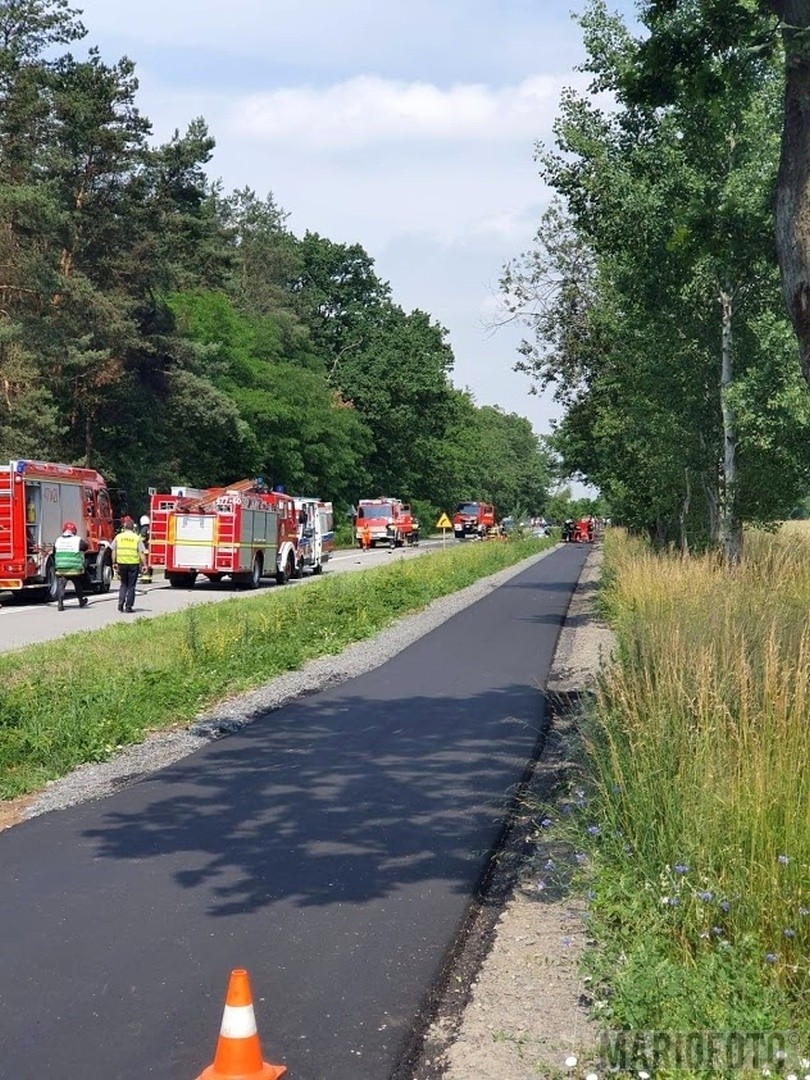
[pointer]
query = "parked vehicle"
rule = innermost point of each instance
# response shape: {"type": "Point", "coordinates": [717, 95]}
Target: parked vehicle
{"type": "Point", "coordinates": [242, 531]}
{"type": "Point", "coordinates": [316, 537]}
{"type": "Point", "coordinates": [36, 498]}
{"type": "Point", "coordinates": [474, 519]}
{"type": "Point", "coordinates": [389, 522]}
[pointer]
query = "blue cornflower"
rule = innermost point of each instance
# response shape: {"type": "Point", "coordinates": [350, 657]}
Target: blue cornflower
{"type": "Point", "coordinates": [593, 830]}
{"type": "Point", "coordinates": [705, 896]}
{"type": "Point", "coordinates": [788, 932]}
{"type": "Point", "coordinates": [674, 901]}
{"type": "Point", "coordinates": [771, 957]}
{"type": "Point", "coordinates": [546, 823]}
{"type": "Point", "coordinates": [724, 905]}
{"type": "Point", "coordinates": [580, 858]}
{"type": "Point", "coordinates": [548, 864]}
{"type": "Point", "coordinates": [804, 910]}
{"type": "Point", "coordinates": [681, 868]}
{"type": "Point", "coordinates": [783, 859]}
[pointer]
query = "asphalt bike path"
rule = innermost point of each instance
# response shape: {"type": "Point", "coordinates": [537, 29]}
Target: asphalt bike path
{"type": "Point", "coordinates": [332, 848]}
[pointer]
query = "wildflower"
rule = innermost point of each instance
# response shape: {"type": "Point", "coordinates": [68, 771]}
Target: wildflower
{"type": "Point", "coordinates": [717, 931]}
{"type": "Point", "coordinates": [805, 1063]}
{"type": "Point", "coordinates": [546, 823]}
{"type": "Point", "coordinates": [591, 1076]}
{"type": "Point", "coordinates": [771, 957]}
{"type": "Point", "coordinates": [540, 885]}
{"type": "Point", "coordinates": [783, 859]}
{"type": "Point", "coordinates": [791, 1076]}
{"type": "Point", "coordinates": [704, 934]}
{"type": "Point", "coordinates": [593, 830]}
{"type": "Point", "coordinates": [788, 932]}
{"type": "Point", "coordinates": [681, 868]}
{"type": "Point", "coordinates": [618, 789]}
{"type": "Point", "coordinates": [780, 1055]}
{"type": "Point", "coordinates": [804, 911]}
{"type": "Point", "coordinates": [570, 1062]}
{"type": "Point", "coordinates": [643, 1075]}
{"type": "Point", "coordinates": [580, 858]}
{"type": "Point", "coordinates": [724, 905]}
{"type": "Point", "coordinates": [548, 864]}
{"type": "Point", "coordinates": [705, 896]}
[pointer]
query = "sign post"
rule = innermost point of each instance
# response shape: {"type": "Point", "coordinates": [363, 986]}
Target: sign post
{"type": "Point", "coordinates": [444, 523]}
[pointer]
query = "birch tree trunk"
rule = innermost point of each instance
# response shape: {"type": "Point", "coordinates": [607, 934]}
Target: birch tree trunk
{"type": "Point", "coordinates": [730, 523]}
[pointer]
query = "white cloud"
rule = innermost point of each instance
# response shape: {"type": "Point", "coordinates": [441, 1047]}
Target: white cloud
{"type": "Point", "coordinates": [368, 109]}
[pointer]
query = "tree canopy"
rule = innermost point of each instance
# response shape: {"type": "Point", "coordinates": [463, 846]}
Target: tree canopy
{"type": "Point", "coordinates": [164, 331]}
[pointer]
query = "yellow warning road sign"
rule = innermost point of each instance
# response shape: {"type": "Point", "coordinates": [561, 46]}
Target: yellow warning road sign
{"type": "Point", "coordinates": [444, 522]}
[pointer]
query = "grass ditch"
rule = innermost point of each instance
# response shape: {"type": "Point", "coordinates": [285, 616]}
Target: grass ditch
{"type": "Point", "coordinates": [693, 837]}
{"type": "Point", "coordinates": [83, 697]}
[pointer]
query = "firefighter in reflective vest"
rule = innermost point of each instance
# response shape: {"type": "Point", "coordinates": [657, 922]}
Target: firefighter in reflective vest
{"type": "Point", "coordinates": [143, 529]}
{"type": "Point", "coordinates": [68, 560]}
{"type": "Point", "coordinates": [128, 555]}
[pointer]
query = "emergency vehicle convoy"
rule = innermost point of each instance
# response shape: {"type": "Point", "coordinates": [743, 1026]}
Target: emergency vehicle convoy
{"type": "Point", "coordinates": [474, 519]}
{"type": "Point", "coordinates": [385, 521]}
{"type": "Point", "coordinates": [36, 497]}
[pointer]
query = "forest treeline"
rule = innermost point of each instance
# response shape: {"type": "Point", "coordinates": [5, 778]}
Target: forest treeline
{"type": "Point", "coordinates": [652, 291]}
{"type": "Point", "coordinates": [164, 331]}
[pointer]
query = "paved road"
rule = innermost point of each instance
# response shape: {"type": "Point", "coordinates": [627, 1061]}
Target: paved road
{"type": "Point", "coordinates": [332, 848]}
{"type": "Point", "coordinates": [24, 624]}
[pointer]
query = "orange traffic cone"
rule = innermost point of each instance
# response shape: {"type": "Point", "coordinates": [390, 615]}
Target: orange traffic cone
{"type": "Point", "coordinates": [239, 1052]}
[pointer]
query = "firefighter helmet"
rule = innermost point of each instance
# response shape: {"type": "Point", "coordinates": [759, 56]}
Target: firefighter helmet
{"type": "Point", "coordinates": [126, 521]}
{"type": "Point", "coordinates": [144, 520]}
{"type": "Point", "coordinates": [69, 527]}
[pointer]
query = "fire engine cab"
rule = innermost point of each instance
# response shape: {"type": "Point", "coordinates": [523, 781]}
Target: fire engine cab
{"type": "Point", "coordinates": [316, 537]}
{"type": "Point", "coordinates": [473, 519]}
{"type": "Point", "coordinates": [36, 498]}
{"type": "Point", "coordinates": [388, 521]}
{"type": "Point", "coordinates": [242, 531]}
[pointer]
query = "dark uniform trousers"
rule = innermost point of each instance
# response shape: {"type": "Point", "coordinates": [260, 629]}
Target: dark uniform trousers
{"type": "Point", "coordinates": [126, 591]}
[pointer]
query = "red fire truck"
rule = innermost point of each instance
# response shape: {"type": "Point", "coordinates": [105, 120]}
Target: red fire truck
{"type": "Point", "coordinates": [473, 519]}
{"type": "Point", "coordinates": [388, 521]}
{"type": "Point", "coordinates": [242, 531]}
{"type": "Point", "coordinates": [36, 498]}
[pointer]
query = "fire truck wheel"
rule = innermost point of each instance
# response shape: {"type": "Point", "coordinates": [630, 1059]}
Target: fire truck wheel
{"type": "Point", "coordinates": [183, 581]}
{"type": "Point", "coordinates": [49, 592]}
{"type": "Point", "coordinates": [317, 568]}
{"type": "Point", "coordinates": [283, 576]}
{"type": "Point", "coordinates": [105, 581]}
{"type": "Point", "coordinates": [251, 580]}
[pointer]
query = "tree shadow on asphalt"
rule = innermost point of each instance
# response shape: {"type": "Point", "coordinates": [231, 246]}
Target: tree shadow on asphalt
{"type": "Point", "coordinates": [337, 799]}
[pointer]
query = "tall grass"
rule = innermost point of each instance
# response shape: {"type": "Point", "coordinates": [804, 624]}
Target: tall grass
{"type": "Point", "coordinates": [701, 747]}
{"type": "Point", "coordinates": [82, 697]}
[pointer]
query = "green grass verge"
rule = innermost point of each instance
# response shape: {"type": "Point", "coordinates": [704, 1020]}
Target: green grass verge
{"type": "Point", "coordinates": [695, 838]}
{"type": "Point", "coordinates": [81, 698]}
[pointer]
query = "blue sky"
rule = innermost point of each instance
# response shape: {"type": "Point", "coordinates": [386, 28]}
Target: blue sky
{"type": "Point", "coordinates": [406, 127]}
